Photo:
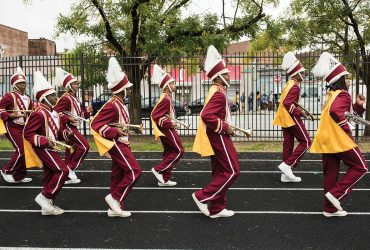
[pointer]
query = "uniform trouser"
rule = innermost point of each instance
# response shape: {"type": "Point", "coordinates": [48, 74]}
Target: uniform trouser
{"type": "Point", "coordinates": [299, 132]}
{"type": "Point", "coordinates": [172, 152]}
{"type": "Point", "coordinates": [225, 170]}
{"type": "Point", "coordinates": [81, 147]}
{"type": "Point", "coordinates": [125, 171]}
{"type": "Point", "coordinates": [17, 164]}
{"type": "Point", "coordinates": [341, 188]}
{"type": "Point", "coordinates": [55, 172]}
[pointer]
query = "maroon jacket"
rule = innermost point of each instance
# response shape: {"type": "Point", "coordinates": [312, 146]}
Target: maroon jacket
{"type": "Point", "coordinates": [358, 109]}
{"type": "Point", "coordinates": [161, 110]}
{"type": "Point", "coordinates": [13, 101]}
{"type": "Point", "coordinates": [293, 96]}
{"type": "Point", "coordinates": [113, 111]}
{"type": "Point", "coordinates": [214, 113]}
{"type": "Point", "coordinates": [69, 102]}
{"type": "Point", "coordinates": [340, 105]}
{"type": "Point", "coordinates": [44, 123]}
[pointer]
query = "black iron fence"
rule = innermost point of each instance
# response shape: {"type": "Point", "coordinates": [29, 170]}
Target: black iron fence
{"type": "Point", "coordinates": [256, 83]}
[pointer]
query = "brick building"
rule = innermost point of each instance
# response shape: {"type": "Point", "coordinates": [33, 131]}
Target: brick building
{"type": "Point", "coordinates": [13, 42]}
{"type": "Point", "coordinates": [42, 46]}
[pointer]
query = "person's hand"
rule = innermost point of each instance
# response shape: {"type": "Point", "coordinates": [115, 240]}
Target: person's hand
{"type": "Point", "coordinates": [69, 134]}
{"type": "Point", "coordinates": [51, 144]}
{"type": "Point", "coordinates": [229, 131]}
{"type": "Point", "coordinates": [174, 125]}
{"type": "Point", "coordinates": [15, 116]}
{"type": "Point", "coordinates": [89, 109]}
{"type": "Point", "coordinates": [122, 132]}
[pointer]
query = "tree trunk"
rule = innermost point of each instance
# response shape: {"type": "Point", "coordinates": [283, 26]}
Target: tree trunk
{"type": "Point", "coordinates": [133, 66]}
{"type": "Point", "coordinates": [366, 80]}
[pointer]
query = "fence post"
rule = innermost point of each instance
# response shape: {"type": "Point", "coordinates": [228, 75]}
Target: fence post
{"type": "Point", "coordinates": [20, 58]}
{"type": "Point", "coordinates": [150, 94]}
{"type": "Point", "coordinates": [357, 89]}
{"type": "Point", "coordinates": [82, 72]}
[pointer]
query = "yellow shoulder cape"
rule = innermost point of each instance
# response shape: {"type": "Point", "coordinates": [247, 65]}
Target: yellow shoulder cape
{"type": "Point", "coordinates": [202, 145]}
{"type": "Point", "coordinates": [282, 117]}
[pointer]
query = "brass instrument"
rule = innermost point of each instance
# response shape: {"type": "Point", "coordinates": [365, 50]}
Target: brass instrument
{"type": "Point", "coordinates": [59, 144]}
{"type": "Point", "coordinates": [246, 132]}
{"type": "Point", "coordinates": [306, 113]}
{"type": "Point", "coordinates": [187, 126]}
{"type": "Point", "coordinates": [76, 116]}
{"type": "Point", "coordinates": [127, 127]}
{"type": "Point", "coordinates": [356, 119]}
{"type": "Point", "coordinates": [23, 112]}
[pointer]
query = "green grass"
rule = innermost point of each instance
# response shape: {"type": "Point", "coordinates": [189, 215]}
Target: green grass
{"type": "Point", "coordinates": [147, 143]}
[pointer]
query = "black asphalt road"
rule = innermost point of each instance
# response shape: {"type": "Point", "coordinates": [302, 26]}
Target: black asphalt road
{"type": "Point", "coordinates": [269, 214]}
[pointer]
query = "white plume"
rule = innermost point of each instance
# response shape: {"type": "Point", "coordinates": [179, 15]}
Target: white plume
{"type": "Point", "coordinates": [60, 74]}
{"type": "Point", "coordinates": [324, 65]}
{"type": "Point", "coordinates": [115, 73]}
{"type": "Point", "coordinates": [40, 82]}
{"type": "Point", "coordinates": [288, 60]}
{"type": "Point", "coordinates": [19, 71]}
{"type": "Point", "coordinates": [212, 58]}
{"type": "Point", "coordinates": [157, 74]}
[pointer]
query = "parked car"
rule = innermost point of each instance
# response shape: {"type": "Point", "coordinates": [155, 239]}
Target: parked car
{"type": "Point", "coordinates": [196, 106]}
{"type": "Point", "coordinates": [98, 102]}
{"type": "Point", "coordinates": [181, 109]}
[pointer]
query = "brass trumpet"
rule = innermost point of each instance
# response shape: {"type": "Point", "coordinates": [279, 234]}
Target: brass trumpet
{"type": "Point", "coordinates": [246, 132]}
{"type": "Point", "coordinates": [356, 119]}
{"type": "Point", "coordinates": [187, 126]}
{"type": "Point", "coordinates": [59, 144]}
{"type": "Point", "coordinates": [125, 126]}
{"type": "Point", "coordinates": [76, 116]}
{"type": "Point", "coordinates": [23, 112]}
{"type": "Point", "coordinates": [306, 113]}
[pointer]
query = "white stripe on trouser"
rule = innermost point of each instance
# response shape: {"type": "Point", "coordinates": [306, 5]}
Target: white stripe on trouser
{"type": "Point", "coordinates": [132, 171]}
{"type": "Point", "coordinates": [19, 153]}
{"type": "Point", "coordinates": [232, 175]}
{"type": "Point", "coordinates": [364, 166]}
{"type": "Point", "coordinates": [306, 141]}
{"type": "Point", "coordinates": [58, 169]}
{"type": "Point", "coordinates": [85, 152]}
{"type": "Point", "coordinates": [176, 156]}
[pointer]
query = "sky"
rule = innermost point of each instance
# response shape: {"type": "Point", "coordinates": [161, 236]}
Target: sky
{"type": "Point", "coordinates": [40, 17]}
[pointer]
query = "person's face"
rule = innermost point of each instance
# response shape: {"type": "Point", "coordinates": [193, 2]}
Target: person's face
{"type": "Point", "coordinates": [172, 86]}
{"type": "Point", "coordinates": [360, 101]}
{"type": "Point", "coordinates": [128, 91]}
{"type": "Point", "coordinates": [75, 86]}
{"type": "Point", "coordinates": [226, 76]}
{"type": "Point", "coordinates": [21, 86]}
{"type": "Point", "coordinates": [348, 83]}
{"type": "Point", "coordinates": [52, 98]}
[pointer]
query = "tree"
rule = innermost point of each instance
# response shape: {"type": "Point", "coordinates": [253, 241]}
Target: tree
{"type": "Point", "coordinates": [140, 31]}
{"type": "Point", "coordinates": [338, 26]}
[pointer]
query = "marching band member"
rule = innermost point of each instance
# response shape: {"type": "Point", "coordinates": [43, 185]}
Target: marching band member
{"type": "Point", "coordinates": [165, 128]}
{"type": "Point", "coordinates": [42, 128]}
{"type": "Point", "coordinates": [288, 116]}
{"type": "Point", "coordinates": [12, 124]}
{"type": "Point", "coordinates": [334, 139]}
{"type": "Point", "coordinates": [114, 141]}
{"type": "Point", "coordinates": [213, 139]}
{"type": "Point", "coordinates": [69, 102]}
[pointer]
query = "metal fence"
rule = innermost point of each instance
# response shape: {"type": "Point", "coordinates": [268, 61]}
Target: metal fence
{"type": "Point", "coordinates": [256, 83]}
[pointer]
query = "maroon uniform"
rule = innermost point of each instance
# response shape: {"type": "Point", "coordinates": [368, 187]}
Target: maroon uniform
{"type": "Point", "coordinates": [297, 131]}
{"type": "Point", "coordinates": [69, 102]}
{"type": "Point", "coordinates": [45, 123]}
{"type": "Point", "coordinates": [358, 109]}
{"type": "Point", "coordinates": [15, 101]}
{"type": "Point", "coordinates": [352, 158]}
{"type": "Point", "coordinates": [224, 162]}
{"type": "Point", "coordinates": [173, 149]}
{"type": "Point", "coordinates": [125, 169]}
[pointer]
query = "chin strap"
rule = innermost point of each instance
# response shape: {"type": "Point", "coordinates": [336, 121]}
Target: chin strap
{"type": "Point", "coordinates": [70, 88]}
{"type": "Point", "coordinates": [223, 79]}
